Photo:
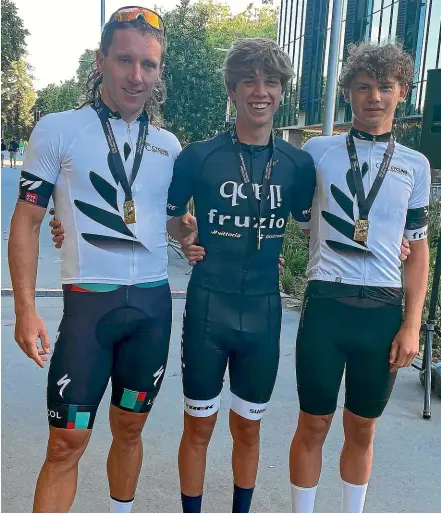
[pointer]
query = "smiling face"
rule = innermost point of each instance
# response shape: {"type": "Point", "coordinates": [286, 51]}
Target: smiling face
{"type": "Point", "coordinates": [374, 102]}
{"type": "Point", "coordinates": [257, 97]}
{"type": "Point", "coordinates": [130, 71]}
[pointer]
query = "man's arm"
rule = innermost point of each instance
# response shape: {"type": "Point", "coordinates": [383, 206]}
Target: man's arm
{"type": "Point", "coordinates": [181, 227]}
{"type": "Point", "coordinates": [184, 229]}
{"type": "Point", "coordinates": [416, 272]}
{"type": "Point", "coordinates": [23, 252]}
{"type": "Point", "coordinates": [415, 275]}
{"type": "Point", "coordinates": [23, 260]}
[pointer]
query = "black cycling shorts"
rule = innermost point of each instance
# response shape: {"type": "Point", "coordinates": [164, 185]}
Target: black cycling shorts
{"type": "Point", "coordinates": [238, 330]}
{"type": "Point", "coordinates": [334, 337]}
{"type": "Point", "coordinates": [123, 335]}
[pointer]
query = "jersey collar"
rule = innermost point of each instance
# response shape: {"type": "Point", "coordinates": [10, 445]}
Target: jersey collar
{"type": "Point", "coordinates": [235, 139]}
{"type": "Point", "coordinates": [99, 106]}
{"type": "Point", "coordinates": [359, 134]}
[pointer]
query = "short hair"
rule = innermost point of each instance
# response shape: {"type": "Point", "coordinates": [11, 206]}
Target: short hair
{"type": "Point", "coordinates": [378, 61]}
{"type": "Point", "coordinates": [250, 54]}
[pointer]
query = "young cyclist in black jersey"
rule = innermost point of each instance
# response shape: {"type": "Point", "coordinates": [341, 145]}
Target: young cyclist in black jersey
{"type": "Point", "coordinates": [370, 190]}
{"type": "Point", "coordinates": [110, 193]}
{"type": "Point", "coordinates": [245, 183]}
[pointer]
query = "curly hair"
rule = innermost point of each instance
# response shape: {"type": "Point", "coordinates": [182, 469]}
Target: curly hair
{"type": "Point", "coordinates": [95, 78]}
{"type": "Point", "coordinates": [377, 61]}
{"type": "Point", "coordinates": [256, 53]}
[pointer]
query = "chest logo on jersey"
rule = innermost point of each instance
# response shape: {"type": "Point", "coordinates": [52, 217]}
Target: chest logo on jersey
{"type": "Point", "coordinates": [235, 193]}
{"type": "Point", "coordinates": [107, 219]}
{"type": "Point", "coordinates": [346, 206]}
{"type": "Point", "coordinates": [233, 190]}
{"type": "Point", "coordinates": [395, 169]}
{"type": "Point", "coordinates": [156, 149]}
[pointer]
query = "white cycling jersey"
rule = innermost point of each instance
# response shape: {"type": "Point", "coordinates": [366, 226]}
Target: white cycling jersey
{"type": "Point", "coordinates": [401, 207]}
{"type": "Point", "coordinates": [69, 155]}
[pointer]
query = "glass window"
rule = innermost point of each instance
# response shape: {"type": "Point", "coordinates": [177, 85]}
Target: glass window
{"type": "Point", "coordinates": [375, 29]}
{"type": "Point", "coordinates": [394, 19]}
{"type": "Point", "coordinates": [434, 33]}
{"type": "Point", "coordinates": [385, 22]}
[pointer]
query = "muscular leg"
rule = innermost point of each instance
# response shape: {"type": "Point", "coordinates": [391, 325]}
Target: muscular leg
{"type": "Point", "coordinates": [245, 457]}
{"type": "Point", "coordinates": [193, 452]}
{"type": "Point", "coordinates": [125, 456]}
{"type": "Point", "coordinates": [356, 456]}
{"type": "Point", "coordinates": [305, 457]}
{"type": "Point", "coordinates": [57, 482]}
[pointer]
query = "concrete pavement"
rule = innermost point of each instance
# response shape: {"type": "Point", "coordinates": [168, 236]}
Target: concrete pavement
{"type": "Point", "coordinates": [406, 473]}
{"type": "Point", "coordinates": [406, 470]}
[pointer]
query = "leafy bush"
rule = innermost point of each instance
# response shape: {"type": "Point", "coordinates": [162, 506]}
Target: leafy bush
{"type": "Point", "coordinates": [295, 252]}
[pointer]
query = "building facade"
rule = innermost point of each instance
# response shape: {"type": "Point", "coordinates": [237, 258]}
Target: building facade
{"type": "Point", "coordinates": [304, 33]}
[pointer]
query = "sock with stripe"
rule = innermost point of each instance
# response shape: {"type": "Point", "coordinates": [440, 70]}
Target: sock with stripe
{"type": "Point", "coordinates": [120, 505]}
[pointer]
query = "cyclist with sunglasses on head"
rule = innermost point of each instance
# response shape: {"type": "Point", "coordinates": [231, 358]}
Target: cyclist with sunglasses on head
{"type": "Point", "coordinates": [110, 193]}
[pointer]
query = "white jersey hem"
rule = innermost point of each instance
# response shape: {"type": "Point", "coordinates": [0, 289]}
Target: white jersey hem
{"type": "Point", "coordinates": [113, 280]}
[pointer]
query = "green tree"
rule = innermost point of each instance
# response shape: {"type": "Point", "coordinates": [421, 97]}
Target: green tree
{"type": "Point", "coordinates": [18, 98]}
{"type": "Point", "coordinates": [57, 98]}
{"type": "Point", "coordinates": [224, 27]}
{"type": "Point", "coordinates": [196, 97]}
{"type": "Point", "coordinates": [197, 35]}
{"type": "Point", "coordinates": [86, 64]}
{"type": "Point", "coordinates": [13, 35]}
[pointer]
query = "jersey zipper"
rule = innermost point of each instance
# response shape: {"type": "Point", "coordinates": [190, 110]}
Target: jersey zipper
{"type": "Point", "coordinates": [247, 250]}
{"type": "Point", "coordinates": [133, 227]}
{"type": "Point", "coordinates": [369, 177]}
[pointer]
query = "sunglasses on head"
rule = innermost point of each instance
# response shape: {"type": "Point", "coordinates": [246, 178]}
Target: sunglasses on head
{"type": "Point", "coordinates": [133, 13]}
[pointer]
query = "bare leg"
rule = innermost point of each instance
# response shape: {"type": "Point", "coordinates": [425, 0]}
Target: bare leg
{"type": "Point", "coordinates": [245, 458]}
{"type": "Point", "coordinates": [125, 455]}
{"type": "Point", "coordinates": [305, 458]}
{"type": "Point", "coordinates": [57, 482]}
{"type": "Point", "coordinates": [193, 453]}
{"type": "Point", "coordinates": [358, 448]}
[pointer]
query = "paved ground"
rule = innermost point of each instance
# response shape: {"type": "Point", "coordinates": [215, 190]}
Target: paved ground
{"type": "Point", "coordinates": [406, 474]}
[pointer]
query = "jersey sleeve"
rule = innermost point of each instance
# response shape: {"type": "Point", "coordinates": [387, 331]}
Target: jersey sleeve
{"type": "Point", "coordinates": [182, 184]}
{"type": "Point", "coordinates": [304, 191]}
{"type": "Point", "coordinates": [41, 164]}
{"type": "Point", "coordinates": [417, 219]}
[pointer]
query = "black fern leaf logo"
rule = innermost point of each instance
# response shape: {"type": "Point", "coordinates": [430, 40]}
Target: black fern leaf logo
{"type": "Point", "coordinates": [104, 189]}
{"type": "Point", "coordinates": [105, 218]}
{"type": "Point", "coordinates": [345, 228]}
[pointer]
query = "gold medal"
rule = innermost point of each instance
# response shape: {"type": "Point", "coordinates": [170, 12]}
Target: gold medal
{"type": "Point", "coordinates": [129, 212]}
{"type": "Point", "coordinates": [361, 231]}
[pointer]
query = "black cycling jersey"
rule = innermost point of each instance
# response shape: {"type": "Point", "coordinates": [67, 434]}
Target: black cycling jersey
{"type": "Point", "coordinates": [209, 172]}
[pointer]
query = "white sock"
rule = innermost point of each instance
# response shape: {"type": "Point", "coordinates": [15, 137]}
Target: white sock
{"type": "Point", "coordinates": [353, 497]}
{"type": "Point", "coordinates": [303, 498]}
{"type": "Point", "coordinates": [120, 506]}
